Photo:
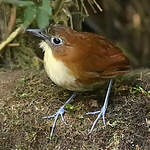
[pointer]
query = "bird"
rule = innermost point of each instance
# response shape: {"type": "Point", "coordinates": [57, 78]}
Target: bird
{"type": "Point", "coordinates": [80, 62]}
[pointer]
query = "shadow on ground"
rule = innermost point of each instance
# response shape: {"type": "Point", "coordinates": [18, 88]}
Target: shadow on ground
{"type": "Point", "coordinates": [27, 96]}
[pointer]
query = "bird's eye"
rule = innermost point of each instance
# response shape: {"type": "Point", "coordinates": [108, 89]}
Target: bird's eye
{"type": "Point", "coordinates": [56, 41]}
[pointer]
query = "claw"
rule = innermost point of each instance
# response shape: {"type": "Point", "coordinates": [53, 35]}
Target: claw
{"type": "Point", "coordinates": [63, 120]}
{"type": "Point", "coordinates": [48, 117]}
{"type": "Point", "coordinates": [102, 112]}
{"type": "Point", "coordinates": [59, 112]}
{"type": "Point", "coordinates": [55, 116]}
{"type": "Point", "coordinates": [93, 113]}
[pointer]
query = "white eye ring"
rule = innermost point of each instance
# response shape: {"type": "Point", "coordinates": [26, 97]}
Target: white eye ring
{"type": "Point", "coordinates": [57, 41]}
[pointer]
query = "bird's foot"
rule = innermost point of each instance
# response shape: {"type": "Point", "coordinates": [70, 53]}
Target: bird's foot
{"type": "Point", "coordinates": [60, 113]}
{"type": "Point", "coordinates": [100, 113]}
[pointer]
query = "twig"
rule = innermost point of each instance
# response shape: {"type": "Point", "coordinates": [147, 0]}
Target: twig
{"type": "Point", "coordinates": [14, 44]}
{"type": "Point", "coordinates": [77, 5]}
{"type": "Point", "coordinates": [98, 6]}
{"type": "Point", "coordinates": [86, 12]}
{"type": "Point", "coordinates": [68, 14]}
{"type": "Point", "coordinates": [11, 37]}
{"type": "Point", "coordinates": [12, 20]}
{"type": "Point", "coordinates": [89, 1]}
{"type": "Point", "coordinates": [58, 7]}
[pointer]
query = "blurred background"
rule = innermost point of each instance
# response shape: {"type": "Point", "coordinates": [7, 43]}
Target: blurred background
{"type": "Point", "coordinates": [124, 22]}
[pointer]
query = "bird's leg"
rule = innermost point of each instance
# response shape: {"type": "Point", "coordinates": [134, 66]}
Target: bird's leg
{"type": "Point", "coordinates": [61, 113]}
{"type": "Point", "coordinates": [101, 113]}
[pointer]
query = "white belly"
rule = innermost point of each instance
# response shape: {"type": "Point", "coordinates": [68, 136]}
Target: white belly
{"type": "Point", "coordinates": [56, 70]}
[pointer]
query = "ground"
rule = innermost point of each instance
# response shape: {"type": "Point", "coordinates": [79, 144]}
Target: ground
{"type": "Point", "coordinates": [28, 95]}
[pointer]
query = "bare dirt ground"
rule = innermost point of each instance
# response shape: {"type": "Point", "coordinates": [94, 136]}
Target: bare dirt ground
{"type": "Point", "coordinates": [27, 96]}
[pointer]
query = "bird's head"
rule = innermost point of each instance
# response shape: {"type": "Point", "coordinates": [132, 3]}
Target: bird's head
{"type": "Point", "coordinates": [59, 39]}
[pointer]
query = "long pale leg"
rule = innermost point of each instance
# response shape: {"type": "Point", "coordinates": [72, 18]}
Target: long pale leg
{"type": "Point", "coordinates": [102, 112]}
{"type": "Point", "coordinates": [59, 112]}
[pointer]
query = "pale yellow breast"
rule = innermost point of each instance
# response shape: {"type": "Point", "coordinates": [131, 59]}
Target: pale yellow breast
{"type": "Point", "coordinates": [56, 70]}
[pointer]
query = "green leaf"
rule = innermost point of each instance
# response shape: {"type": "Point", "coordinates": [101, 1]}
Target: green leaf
{"type": "Point", "coordinates": [29, 15]}
{"type": "Point", "coordinates": [80, 116]}
{"type": "Point", "coordinates": [46, 6]}
{"type": "Point", "coordinates": [19, 3]}
{"type": "Point", "coordinates": [24, 95]}
{"type": "Point", "coordinates": [69, 107]}
{"type": "Point", "coordinates": [43, 14]}
{"type": "Point", "coordinates": [42, 18]}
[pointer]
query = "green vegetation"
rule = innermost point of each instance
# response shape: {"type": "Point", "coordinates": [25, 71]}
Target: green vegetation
{"type": "Point", "coordinates": [33, 11]}
{"type": "Point", "coordinates": [136, 90]}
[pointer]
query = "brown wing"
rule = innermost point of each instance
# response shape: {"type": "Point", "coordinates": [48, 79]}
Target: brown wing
{"type": "Point", "coordinates": [104, 58]}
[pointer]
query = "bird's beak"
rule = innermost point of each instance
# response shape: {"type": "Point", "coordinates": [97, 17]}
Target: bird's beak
{"type": "Point", "coordinates": [38, 33]}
